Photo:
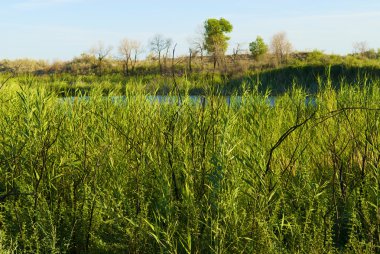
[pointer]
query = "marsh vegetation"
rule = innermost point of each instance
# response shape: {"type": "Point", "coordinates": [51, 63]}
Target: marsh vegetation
{"type": "Point", "coordinates": [132, 175]}
{"type": "Point", "coordinates": [114, 154]}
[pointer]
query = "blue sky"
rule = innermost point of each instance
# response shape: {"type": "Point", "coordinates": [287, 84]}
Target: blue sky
{"type": "Point", "coordinates": [63, 29]}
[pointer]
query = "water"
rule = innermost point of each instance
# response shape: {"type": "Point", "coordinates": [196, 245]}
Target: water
{"type": "Point", "coordinates": [195, 99]}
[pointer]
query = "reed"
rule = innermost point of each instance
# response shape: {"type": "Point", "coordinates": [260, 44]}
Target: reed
{"type": "Point", "coordinates": [109, 174]}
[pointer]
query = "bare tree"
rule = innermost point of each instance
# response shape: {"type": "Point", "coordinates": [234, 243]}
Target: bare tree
{"type": "Point", "coordinates": [280, 47]}
{"type": "Point", "coordinates": [158, 45]}
{"type": "Point", "coordinates": [168, 44]}
{"type": "Point", "coordinates": [100, 52]}
{"type": "Point", "coordinates": [197, 44]}
{"type": "Point", "coordinates": [236, 52]}
{"type": "Point", "coordinates": [129, 50]}
{"type": "Point", "coordinates": [360, 47]}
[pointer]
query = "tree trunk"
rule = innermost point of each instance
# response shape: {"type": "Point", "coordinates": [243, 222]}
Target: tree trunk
{"type": "Point", "coordinates": [159, 62]}
{"type": "Point", "coordinates": [190, 56]}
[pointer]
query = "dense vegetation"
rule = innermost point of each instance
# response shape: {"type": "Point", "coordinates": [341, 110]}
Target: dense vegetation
{"type": "Point", "coordinates": [274, 81]}
{"type": "Point", "coordinates": [136, 175]}
{"type": "Point", "coordinates": [233, 74]}
{"type": "Point", "coordinates": [278, 152]}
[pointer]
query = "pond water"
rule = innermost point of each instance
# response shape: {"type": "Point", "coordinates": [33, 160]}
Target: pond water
{"type": "Point", "coordinates": [196, 99]}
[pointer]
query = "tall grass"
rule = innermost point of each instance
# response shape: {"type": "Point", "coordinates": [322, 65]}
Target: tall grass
{"type": "Point", "coordinates": [130, 175]}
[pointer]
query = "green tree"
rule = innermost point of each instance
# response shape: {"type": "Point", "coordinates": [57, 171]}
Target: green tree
{"type": "Point", "coordinates": [258, 47]}
{"type": "Point", "coordinates": [370, 54]}
{"type": "Point", "coordinates": [216, 42]}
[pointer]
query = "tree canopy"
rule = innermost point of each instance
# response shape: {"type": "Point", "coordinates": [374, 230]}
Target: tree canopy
{"type": "Point", "coordinates": [258, 47]}
{"type": "Point", "coordinates": [215, 38]}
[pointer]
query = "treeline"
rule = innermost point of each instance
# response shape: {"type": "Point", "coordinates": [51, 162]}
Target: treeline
{"type": "Point", "coordinates": [206, 53]}
{"type": "Point", "coordinates": [235, 64]}
{"type": "Point", "coordinates": [304, 70]}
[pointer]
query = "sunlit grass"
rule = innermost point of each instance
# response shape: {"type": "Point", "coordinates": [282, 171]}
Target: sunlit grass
{"type": "Point", "coordinates": [106, 174]}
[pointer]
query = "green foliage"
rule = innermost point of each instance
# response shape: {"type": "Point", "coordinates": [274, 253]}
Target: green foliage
{"type": "Point", "coordinates": [215, 38]}
{"type": "Point", "coordinates": [315, 56]}
{"type": "Point", "coordinates": [371, 54]}
{"type": "Point", "coordinates": [143, 174]}
{"type": "Point", "coordinates": [304, 72]}
{"type": "Point", "coordinates": [258, 47]}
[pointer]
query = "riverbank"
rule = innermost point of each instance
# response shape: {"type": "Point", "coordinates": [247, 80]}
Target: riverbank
{"type": "Point", "coordinates": [275, 82]}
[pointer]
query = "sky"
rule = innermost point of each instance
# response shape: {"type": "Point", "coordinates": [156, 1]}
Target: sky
{"type": "Point", "coordinates": [62, 29]}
